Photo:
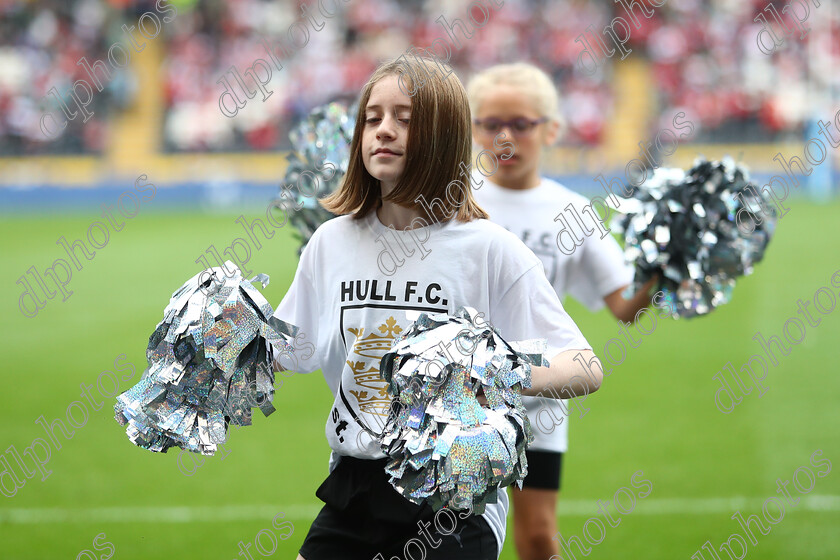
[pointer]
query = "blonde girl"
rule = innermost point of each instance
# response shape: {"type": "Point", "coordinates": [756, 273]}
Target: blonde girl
{"type": "Point", "coordinates": [521, 102]}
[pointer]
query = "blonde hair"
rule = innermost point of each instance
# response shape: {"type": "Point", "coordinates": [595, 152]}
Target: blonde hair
{"type": "Point", "coordinates": [439, 141]}
{"type": "Point", "coordinates": [535, 84]}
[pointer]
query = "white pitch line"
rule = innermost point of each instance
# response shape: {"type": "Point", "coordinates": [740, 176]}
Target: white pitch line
{"type": "Point", "coordinates": [155, 514]}
{"type": "Point", "coordinates": [703, 506]}
{"type": "Point", "coordinates": [215, 514]}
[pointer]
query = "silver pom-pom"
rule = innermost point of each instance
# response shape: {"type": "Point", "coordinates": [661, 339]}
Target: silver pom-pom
{"type": "Point", "coordinates": [683, 228]}
{"type": "Point", "coordinates": [321, 140]}
{"type": "Point", "coordinates": [210, 360]}
{"type": "Point", "coordinates": [446, 447]}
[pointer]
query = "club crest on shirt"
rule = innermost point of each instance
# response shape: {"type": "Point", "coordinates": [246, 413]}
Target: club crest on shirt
{"type": "Point", "coordinates": [372, 315]}
{"type": "Point", "coordinates": [372, 393]}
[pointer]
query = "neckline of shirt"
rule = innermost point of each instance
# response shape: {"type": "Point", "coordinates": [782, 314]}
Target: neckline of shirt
{"type": "Point", "coordinates": [378, 228]}
{"type": "Point", "coordinates": [517, 193]}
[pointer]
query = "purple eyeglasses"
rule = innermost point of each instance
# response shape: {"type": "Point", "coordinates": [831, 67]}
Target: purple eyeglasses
{"type": "Point", "coordinates": [520, 125]}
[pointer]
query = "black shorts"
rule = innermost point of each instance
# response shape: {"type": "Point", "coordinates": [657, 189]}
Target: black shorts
{"type": "Point", "coordinates": [364, 516]}
{"type": "Point", "coordinates": [545, 469]}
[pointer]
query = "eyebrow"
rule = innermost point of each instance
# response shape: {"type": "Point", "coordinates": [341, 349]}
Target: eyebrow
{"type": "Point", "coordinates": [397, 107]}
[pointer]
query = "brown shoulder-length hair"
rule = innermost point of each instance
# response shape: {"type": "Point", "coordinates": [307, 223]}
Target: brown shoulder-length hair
{"type": "Point", "coordinates": [439, 141]}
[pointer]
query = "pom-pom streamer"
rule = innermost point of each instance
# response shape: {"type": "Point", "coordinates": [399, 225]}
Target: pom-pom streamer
{"type": "Point", "coordinates": [210, 360]}
{"type": "Point", "coordinates": [323, 137]}
{"type": "Point", "coordinates": [688, 230]}
{"type": "Point", "coordinates": [445, 446]}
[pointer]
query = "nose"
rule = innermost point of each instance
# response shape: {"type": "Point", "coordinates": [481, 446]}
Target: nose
{"type": "Point", "coordinates": [508, 135]}
{"type": "Point", "coordinates": [508, 130]}
{"type": "Point", "coordinates": [386, 127]}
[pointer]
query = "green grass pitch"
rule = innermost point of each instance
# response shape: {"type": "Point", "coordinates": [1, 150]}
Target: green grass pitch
{"type": "Point", "coordinates": [655, 413]}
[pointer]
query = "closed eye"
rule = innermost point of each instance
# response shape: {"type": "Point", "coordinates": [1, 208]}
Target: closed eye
{"type": "Point", "coordinates": [375, 120]}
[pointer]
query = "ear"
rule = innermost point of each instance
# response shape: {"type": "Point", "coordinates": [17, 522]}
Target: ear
{"type": "Point", "coordinates": [551, 133]}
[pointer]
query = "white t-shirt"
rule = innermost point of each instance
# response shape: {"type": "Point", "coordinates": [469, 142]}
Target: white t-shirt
{"type": "Point", "coordinates": [352, 310]}
{"type": "Point", "coordinates": [595, 269]}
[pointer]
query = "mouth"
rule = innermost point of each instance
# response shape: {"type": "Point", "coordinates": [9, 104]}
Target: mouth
{"type": "Point", "coordinates": [385, 152]}
{"type": "Point", "coordinates": [506, 162]}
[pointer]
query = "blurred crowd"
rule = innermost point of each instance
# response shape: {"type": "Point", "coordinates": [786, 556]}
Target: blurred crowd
{"type": "Point", "coordinates": [338, 60]}
{"type": "Point", "coordinates": [40, 43]}
{"type": "Point", "coordinates": [701, 58]}
{"type": "Point", "coordinates": [707, 63]}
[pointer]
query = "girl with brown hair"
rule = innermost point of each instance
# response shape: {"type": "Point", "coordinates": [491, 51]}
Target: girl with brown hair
{"type": "Point", "coordinates": [407, 155]}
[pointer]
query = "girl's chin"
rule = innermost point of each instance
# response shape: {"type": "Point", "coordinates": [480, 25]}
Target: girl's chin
{"type": "Point", "coordinates": [385, 174]}
{"type": "Point", "coordinates": [508, 167]}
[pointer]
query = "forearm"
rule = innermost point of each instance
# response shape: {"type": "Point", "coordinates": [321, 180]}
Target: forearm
{"type": "Point", "coordinates": [626, 309]}
{"type": "Point", "coordinates": [572, 373]}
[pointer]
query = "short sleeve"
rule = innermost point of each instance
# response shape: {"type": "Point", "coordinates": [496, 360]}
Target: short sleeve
{"type": "Point", "coordinates": [300, 308]}
{"type": "Point", "coordinates": [600, 271]}
{"type": "Point", "coordinates": [530, 309]}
